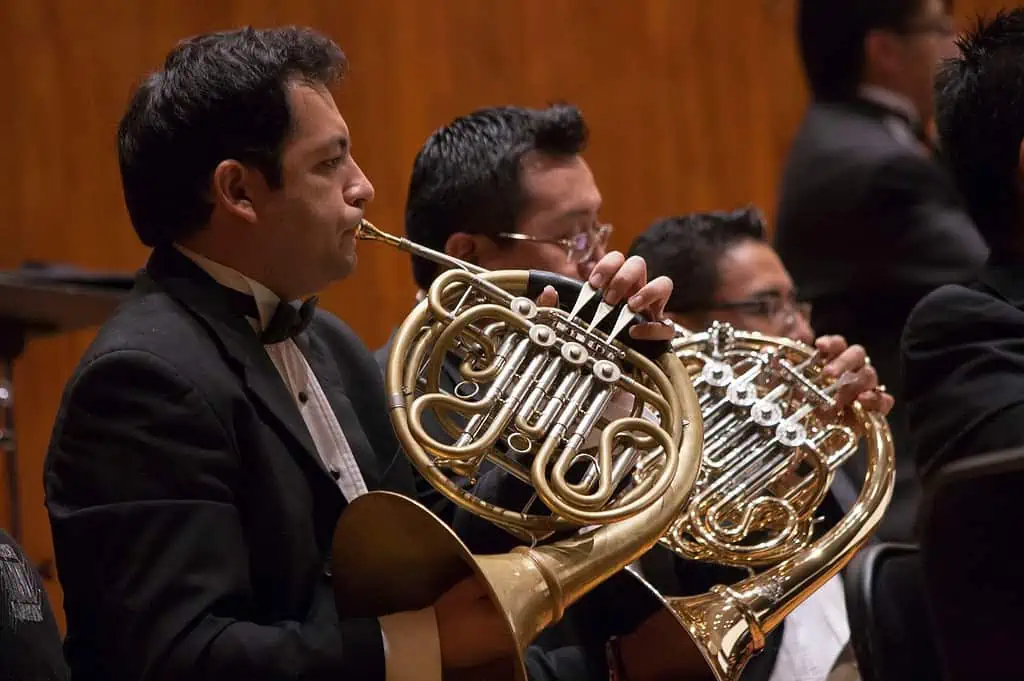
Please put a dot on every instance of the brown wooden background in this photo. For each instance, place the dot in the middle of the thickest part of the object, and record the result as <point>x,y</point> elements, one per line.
<point>691,102</point>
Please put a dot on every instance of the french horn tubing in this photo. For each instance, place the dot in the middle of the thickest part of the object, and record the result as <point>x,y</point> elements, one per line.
<point>533,402</point>
<point>773,440</point>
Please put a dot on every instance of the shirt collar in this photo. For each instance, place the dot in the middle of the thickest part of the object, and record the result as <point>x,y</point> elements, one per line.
<point>890,100</point>
<point>266,300</point>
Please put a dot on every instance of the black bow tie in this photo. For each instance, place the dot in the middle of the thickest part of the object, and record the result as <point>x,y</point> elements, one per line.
<point>288,320</point>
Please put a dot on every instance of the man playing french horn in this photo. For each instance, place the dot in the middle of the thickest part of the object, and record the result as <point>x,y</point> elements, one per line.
<point>724,270</point>
<point>507,188</point>
<point>215,431</point>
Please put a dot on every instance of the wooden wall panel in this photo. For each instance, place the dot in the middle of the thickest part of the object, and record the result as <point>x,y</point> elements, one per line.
<point>692,104</point>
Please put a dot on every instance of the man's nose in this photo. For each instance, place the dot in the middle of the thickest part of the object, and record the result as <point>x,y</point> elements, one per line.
<point>801,329</point>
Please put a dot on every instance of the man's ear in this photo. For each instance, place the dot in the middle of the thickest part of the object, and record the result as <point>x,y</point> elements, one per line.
<point>464,247</point>
<point>232,189</point>
<point>880,52</point>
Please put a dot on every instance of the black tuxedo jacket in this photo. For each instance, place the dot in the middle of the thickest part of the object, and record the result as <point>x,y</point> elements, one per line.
<point>868,223</point>
<point>963,358</point>
<point>192,518</point>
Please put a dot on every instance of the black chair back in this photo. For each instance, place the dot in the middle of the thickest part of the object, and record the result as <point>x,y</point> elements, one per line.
<point>889,626</point>
<point>971,527</point>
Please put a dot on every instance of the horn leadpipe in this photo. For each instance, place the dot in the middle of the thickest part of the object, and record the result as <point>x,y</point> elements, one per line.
<point>367,232</point>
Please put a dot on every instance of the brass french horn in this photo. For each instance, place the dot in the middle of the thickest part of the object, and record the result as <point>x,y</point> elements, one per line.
<point>773,440</point>
<point>537,386</point>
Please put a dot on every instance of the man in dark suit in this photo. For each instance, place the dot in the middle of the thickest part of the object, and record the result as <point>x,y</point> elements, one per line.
<point>963,353</point>
<point>209,438</point>
<point>963,362</point>
<point>214,431</point>
<point>867,221</point>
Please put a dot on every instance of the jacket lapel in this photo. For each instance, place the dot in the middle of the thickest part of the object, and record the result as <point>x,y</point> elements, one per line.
<point>197,291</point>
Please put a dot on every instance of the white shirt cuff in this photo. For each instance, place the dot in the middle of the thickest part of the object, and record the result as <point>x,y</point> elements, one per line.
<point>412,648</point>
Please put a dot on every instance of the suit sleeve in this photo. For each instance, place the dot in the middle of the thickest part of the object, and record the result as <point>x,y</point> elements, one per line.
<point>963,364</point>
<point>916,231</point>
<point>151,547</point>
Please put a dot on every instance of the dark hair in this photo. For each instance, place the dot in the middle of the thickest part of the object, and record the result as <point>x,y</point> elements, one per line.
<point>980,119</point>
<point>466,178</point>
<point>687,249</point>
<point>219,96</point>
<point>831,36</point>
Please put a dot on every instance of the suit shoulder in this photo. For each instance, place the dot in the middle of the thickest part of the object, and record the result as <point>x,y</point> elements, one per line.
<point>835,157</point>
<point>955,313</point>
<point>832,130</point>
<point>154,325</point>
<point>962,357</point>
<point>958,301</point>
<point>909,171</point>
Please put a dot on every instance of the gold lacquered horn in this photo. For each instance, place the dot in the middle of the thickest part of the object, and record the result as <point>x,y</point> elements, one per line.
<point>392,555</point>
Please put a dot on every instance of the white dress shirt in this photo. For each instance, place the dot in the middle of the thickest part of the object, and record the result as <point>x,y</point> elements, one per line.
<point>894,101</point>
<point>412,649</point>
<point>813,636</point>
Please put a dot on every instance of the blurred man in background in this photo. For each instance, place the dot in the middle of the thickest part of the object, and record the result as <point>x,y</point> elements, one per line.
<point>868,221</point>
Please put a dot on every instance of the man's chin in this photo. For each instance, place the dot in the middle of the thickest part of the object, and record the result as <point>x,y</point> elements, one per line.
<point>346,265</point>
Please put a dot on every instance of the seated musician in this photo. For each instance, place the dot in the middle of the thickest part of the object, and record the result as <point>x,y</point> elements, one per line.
<point>215,429</point>
<point>508,188</point>
<point>963,362</point>
<point>723,269</point>
<point>963,346</point>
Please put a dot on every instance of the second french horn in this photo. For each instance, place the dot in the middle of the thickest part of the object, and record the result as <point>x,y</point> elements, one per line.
<point>773,441</point>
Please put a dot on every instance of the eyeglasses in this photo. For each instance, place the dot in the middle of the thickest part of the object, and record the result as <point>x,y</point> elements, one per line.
<point>938,26</point>
<point>769,306</point>
<point>578,248</point>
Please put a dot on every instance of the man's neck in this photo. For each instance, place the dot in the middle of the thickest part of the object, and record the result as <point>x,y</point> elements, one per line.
<point>231,253</point>
<point>266,300</point>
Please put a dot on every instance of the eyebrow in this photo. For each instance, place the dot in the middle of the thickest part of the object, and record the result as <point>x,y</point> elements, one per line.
<point>576,213</point>
<point>339,142</point>
<point>774,293</point>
